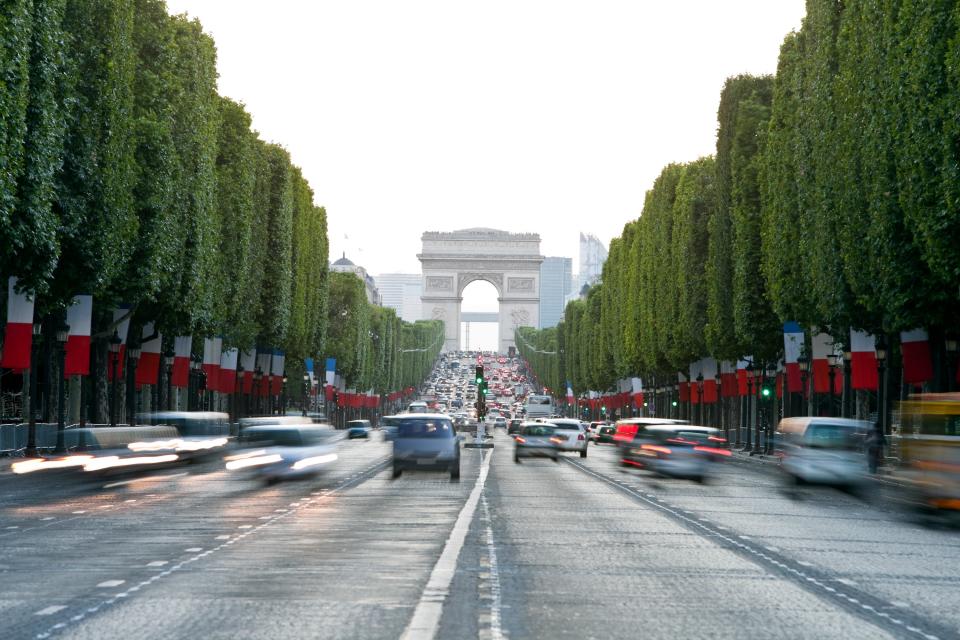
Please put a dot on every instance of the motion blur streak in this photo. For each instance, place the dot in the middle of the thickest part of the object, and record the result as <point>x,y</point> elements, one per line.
<point>111,462</point>
<point>233,465</point>
<point>309,462</point>
<point>178,445</point>
<point>28,466</point>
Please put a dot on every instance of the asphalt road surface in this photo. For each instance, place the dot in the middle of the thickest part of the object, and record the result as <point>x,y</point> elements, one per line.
<point>575,549</point>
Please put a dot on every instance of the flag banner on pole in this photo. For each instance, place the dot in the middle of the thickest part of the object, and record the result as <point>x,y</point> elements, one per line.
<point>182,348</point>
<point>79,317</point>
<point>864,361</point>
<point>228,370</point>
<point>263,365</point>
<point>331,368</point>
<point>708,368</point>
<point>308,367</point>
<point>278,365</point>
<point>122,330</point>
<point>917,363</point>
<point>742,386</point>
<point>728,379</point>
<point>18,339</point>
<point>792,348</point>
<point>683,387</point>
<point>822,348</point>
<point>212,351</point>
<point>148,369</point>
<point>569,392</point>
<point>696,370</point>
<point>248,360</point>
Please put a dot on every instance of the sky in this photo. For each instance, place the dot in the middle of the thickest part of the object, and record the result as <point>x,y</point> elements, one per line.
<point>546,116</point>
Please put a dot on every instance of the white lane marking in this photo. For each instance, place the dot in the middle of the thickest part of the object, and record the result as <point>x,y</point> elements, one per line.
<point>48,518</point>
<point>157,563</point>
<point>229,540</point>
<point>52,609</point>
<point>111,583</point>
<point>79,512</point>
<point>194,549</point>
<point>426,617</point>
<point>245,526</point>
<point>496,627</point>
<point>847,581</point>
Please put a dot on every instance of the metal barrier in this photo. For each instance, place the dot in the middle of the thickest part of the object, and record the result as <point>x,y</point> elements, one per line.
<point>13,437</point>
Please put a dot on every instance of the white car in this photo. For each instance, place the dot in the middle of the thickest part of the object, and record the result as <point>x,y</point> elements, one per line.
<point>277,452</point>
<point>572,433</point>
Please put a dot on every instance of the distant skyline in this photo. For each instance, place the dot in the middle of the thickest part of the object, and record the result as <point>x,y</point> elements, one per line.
<point>534,116</point>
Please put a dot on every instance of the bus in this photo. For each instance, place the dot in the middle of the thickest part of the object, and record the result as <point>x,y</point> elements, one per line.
<point>538,407</point>
<point>930,452</point>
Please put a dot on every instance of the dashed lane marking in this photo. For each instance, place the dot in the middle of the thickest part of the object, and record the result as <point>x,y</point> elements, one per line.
<point>110,583</point>
<point>52,609</point>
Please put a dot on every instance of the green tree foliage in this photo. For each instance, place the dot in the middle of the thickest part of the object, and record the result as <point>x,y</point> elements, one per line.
<point>275,292</point>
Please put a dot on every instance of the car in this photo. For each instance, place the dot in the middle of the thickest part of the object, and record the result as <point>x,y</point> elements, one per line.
<point>500,421</point>
<point>513,427</point>
<point>537,439</point>
<point>823,451</point>
<point>417,407</point>
<point>573,433</point>
<point>281,451</point>
<point>424,441</point>
<point>631,433</point>
<point>682,451</point>
<point>358,429</point>
<point>604,434</point>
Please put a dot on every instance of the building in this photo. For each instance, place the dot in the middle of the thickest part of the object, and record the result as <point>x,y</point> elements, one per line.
<point>556,283</point>
<point>401,292</point>
<point>343,265</point>
<point>592,256</point>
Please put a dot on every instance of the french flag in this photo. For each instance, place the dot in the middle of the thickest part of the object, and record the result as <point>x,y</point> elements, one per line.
<point>569,393</point>
<point>708,368</point>
<point>182,348</point>
<point>917,364</point>
<point>249,362</point>
<point>212,348</point>
<point>822,348</point>
<point>228,371</point>
<point>684,387</point>
<point>276,372</point>
<point>743,388</point>
<point>728,379</point>
<point>79,316</point>
<point>148,370</point>
<point>636,389</point>
<point>122,330</point>
<point>19,336</point>
<point>864,361</point>
<point>792,347</point>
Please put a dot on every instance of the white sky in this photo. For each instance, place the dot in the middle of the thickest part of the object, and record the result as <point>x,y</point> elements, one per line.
<point>545,116</point>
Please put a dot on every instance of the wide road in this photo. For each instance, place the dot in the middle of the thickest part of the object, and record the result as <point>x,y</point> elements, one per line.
<point>575,549</point>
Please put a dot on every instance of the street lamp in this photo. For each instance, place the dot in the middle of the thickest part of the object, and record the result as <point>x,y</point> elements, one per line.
<point>306,392</point>
<point>63,332</point>
<point>133,359</point>
<point>834,360</point>
<point>768,414</point>
<point>751,406</point>
<point>845,400</point>
<point>114,347</point>
<point>719,418</point>
<point>238,395</point>
<point>804,364</point>
<point>881,352</point>
<point>257,375</point>
<point>700,397</point>
<point>283,397</point>
<point>31,451</point>
<point>168,358</point>
<point>951,345</point>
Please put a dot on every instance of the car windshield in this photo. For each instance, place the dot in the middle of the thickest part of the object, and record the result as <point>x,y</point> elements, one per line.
<point>832,436</point>
<point>567,426</point>
<point>423,428</point>
<point>538,430</point>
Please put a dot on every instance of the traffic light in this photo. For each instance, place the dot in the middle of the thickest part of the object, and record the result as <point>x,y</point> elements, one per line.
<point>674,403</point>
<point>766,391</point>
<point>479,374</point>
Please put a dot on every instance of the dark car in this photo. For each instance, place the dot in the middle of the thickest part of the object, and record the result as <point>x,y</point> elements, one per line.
<point>604,434</point>
<point>358,429</point>
<point>631,435</point>
<point>424,441</point>
<point>513,427</point>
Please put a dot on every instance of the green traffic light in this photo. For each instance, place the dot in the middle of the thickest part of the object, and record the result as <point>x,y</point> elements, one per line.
<point>674,403</point>
<point>765,392</point>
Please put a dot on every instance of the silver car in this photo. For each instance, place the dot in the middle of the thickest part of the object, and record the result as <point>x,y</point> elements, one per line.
<point>424,441</point>
<point>277,452</point>
<point>536,439</point>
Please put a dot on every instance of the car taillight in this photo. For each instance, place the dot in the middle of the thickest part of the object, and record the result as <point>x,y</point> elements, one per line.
<point>713,450</point>
<point>580,437</point>
<point>657,449</point>
<point>521,440</point>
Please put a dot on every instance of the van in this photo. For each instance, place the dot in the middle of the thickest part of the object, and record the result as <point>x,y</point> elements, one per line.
<point>823,451</point>
<point>417,407</point>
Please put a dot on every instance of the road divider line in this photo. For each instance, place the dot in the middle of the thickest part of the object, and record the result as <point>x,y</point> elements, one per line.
<point>426,617</point>
<point>493,581</point>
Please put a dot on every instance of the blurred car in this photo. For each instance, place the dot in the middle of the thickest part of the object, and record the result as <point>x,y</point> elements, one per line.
<point>823,451</point>
<point>424,441</point>
<point>500,421</point>
<point>417,407</point>
<point>682,451</point>
<point>282,451</point>
<point>513,427</point>
<point>929,471</point>
<point>604,434</point>
<point>573,435</point>
<point>537,439</point>
<point>358,429</point>
<point>630,433</point>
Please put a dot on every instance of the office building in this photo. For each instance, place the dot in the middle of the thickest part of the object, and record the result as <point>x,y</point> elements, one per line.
<point>401,292</point>
<point>556,283</point>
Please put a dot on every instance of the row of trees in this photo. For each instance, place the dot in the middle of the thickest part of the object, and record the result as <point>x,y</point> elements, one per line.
<point>833,200</point>
<point>374,348</point>
<point>129,178</point>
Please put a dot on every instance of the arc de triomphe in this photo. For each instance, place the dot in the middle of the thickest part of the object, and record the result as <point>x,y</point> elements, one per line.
<point>509,261</point>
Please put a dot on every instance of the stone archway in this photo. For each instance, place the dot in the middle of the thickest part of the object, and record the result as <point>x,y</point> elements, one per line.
<point>509,261</point>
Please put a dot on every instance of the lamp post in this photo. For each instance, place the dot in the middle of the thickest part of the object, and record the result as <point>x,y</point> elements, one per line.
<point>257,375</point>
<point>168,358</point>
<point>845,400</point>
<point>193,402</point>
<point>804,364</point>
<point>114,347</point>
<point>63,332</point>
<point>951,344</point>
<point>751,405</point>
<point>282,409</point>
<point>238,393</point>
<point>719,421</point>
<point>31,451</point>
<point>881,352</point>
<point>306,392</point>
<point>133,359</point>
<point>834,360</point>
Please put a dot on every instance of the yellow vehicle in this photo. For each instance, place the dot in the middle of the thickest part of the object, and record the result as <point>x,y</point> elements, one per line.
<point>930,450</point>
